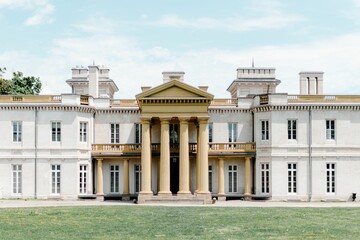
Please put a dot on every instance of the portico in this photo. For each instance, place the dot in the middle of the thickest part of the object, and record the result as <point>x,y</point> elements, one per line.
<point>174,113</point>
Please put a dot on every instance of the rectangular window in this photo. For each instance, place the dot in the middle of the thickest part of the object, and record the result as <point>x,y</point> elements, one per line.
<point>17,131</point>
<point>330,177</point>
<point>210,126</point>
<point>115,134</point>
<point>83,131</point>
<point>232,129</point>
<point>138,133</point>
<point>137,169</point>
<point>17,178</point>
<point>292,129</point>
<point>265,177</point>
<point>330,129</point>
<point>55,179</point>
<point>232,178</point>
<point>56,131</point>
<point>83,179</point>
<point>114,178</point>
<point>210,178</point>
<point>264,130</point>
<point>292,177</point>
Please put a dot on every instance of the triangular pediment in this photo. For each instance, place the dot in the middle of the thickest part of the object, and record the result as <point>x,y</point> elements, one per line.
<point>174,90</point>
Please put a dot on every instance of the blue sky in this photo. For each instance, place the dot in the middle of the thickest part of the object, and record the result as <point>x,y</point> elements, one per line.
<point>208,40</point>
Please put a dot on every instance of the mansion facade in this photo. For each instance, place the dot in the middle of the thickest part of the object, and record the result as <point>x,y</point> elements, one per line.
<point>176,142</point>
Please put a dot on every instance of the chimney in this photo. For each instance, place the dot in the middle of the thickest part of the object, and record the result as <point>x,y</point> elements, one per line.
<point>311,83</point>
<point>174,75</point>
<point>94,81</point>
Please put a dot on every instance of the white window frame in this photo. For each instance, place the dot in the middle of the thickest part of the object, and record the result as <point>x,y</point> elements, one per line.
<point>292,178</point>
<point>137,178</point>
<point>55,179</point>
<point>232,131</point>
<point>17,131</point>
<point>83,131</point>
<point>330,178</point>
<point>265,132</point>
<point>114,132</point>
<point>330,129</point>
<point>292,129</point>
<point>265,177</point>
<point>56,131</point>
<point>16,179</point>
<point>210,175</point>
<point>83,178</point>
<point>233,178</point>
<point>114,178</point>
<point>138,133</point>
<point>211,132</point>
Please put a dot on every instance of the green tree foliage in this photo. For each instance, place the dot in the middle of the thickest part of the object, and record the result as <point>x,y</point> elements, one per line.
<point>19,84</point>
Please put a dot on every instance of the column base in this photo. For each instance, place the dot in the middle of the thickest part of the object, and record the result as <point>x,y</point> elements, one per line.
<point>125,197</point>
<point>143,196</point>
<point>184,192</point>
<point>247,197</point>
<point>221,197</point>
<point>100,197</point>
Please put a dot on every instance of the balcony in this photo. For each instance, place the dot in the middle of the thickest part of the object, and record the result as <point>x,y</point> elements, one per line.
<point>135,149</point>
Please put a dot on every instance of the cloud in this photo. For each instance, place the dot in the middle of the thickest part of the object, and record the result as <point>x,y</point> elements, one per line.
<point>269,15</point>
<point>42,10</point>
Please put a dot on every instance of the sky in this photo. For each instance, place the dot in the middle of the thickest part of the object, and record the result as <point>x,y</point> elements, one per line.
<point>207,39</point>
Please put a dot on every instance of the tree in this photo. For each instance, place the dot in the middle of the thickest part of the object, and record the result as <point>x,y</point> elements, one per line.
<point>25,85</point>
<point>19,84</point>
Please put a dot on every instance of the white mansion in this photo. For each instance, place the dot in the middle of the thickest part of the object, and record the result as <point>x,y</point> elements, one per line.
<point>176,142</point>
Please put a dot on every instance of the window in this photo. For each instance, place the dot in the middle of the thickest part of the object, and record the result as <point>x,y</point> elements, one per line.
<point>83,131</point>
<point>264,130</point>
<point>83,179</point>
<point>17,178</point>
<point>291,177</point>
<point>330,129</point>
<point>138,133</point>
<point>137,178</point>
<point>330,177</point>
<point>210,126</point>
<point>115,136</point>
<point>210,178</point>
<point>114,178</point>
<point>232,178</point>
<point>232,128</point>
<point>265,177</point>
<point>292,129</point>
<point>17,131</point>
<point>55,179</point>
<point>56,131</point>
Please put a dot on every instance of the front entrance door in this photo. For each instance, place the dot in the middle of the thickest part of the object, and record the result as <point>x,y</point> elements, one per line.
<point>174,175</point>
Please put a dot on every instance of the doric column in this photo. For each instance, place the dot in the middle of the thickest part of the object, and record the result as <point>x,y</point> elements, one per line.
<point>126,177</point>
<point>99,178</point>
<point>184,156</point>
<point>247,177</point>
<point>204,147</point>
<point>221,183</point>
<point>146,157</point>
<point>165,157</point>
<point>197,160</point>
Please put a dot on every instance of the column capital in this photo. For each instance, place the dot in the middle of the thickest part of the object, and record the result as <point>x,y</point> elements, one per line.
<point>184,120</point>
<point>221,158</point>
<point>203,120</point>
<point>99,159</point>
<point>145,120</point>
<point>165,119</point>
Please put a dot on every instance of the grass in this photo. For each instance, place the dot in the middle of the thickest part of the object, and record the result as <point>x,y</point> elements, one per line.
<point>154,222</point>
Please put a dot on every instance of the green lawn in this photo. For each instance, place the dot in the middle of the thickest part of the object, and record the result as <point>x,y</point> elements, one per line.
<point>153,222</point>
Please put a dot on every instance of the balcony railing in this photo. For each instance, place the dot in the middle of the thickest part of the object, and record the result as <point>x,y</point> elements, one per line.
<point>30,99</point>
<point>174,148</point>
<point>323,98</point>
